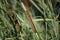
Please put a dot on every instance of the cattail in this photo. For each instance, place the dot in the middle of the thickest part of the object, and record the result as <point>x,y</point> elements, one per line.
<point>28,16</point>
<point>14,17</point>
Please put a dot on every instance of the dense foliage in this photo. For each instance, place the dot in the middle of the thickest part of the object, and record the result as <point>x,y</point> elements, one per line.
<point>37,19</point>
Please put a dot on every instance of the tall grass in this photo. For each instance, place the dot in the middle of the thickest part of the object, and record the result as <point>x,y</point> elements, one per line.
<point>32,28</point>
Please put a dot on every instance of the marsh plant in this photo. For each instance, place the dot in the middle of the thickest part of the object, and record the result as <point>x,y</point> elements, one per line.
<point>29,20</point>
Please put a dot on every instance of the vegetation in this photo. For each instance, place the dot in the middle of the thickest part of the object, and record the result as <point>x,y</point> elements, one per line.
<point>29,20</point>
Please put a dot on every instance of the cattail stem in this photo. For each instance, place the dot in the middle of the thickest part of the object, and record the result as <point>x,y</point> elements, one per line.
<point>13,16</point>
<point>30,21</point>
<point>28,16</point>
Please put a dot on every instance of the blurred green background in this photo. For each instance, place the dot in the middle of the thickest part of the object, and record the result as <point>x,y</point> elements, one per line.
<point>42,15</point>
